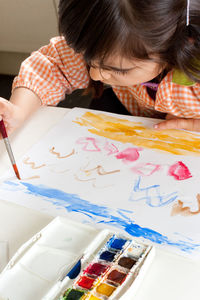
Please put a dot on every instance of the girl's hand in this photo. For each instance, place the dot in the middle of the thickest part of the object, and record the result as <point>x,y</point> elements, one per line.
<point>173,122</point>
<point>11,114</point>
<point>23,103</point>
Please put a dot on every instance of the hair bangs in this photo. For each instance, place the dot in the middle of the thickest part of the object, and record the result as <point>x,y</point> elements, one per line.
<point>99,31</point>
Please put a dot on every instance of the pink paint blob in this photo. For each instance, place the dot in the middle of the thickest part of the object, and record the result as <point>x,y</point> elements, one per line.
<point>179,171</point>
<point>129,155</point>
<point>146,169</point>
<point>90,144</point>
<point>110,148</point>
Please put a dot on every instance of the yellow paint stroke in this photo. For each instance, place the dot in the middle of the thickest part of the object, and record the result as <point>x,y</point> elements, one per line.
<point>100,171</point>
<point>59,155</point>
<point>30,178</point>
<point>178,209</point>
<point>101,187</point>
<point>173,141</point>
<point>94,182</point>
<point>79,179</point>
<point>32,164</point>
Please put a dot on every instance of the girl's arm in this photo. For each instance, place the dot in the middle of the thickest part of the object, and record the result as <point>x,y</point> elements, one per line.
<point>44,79</point>
<point>53,71</point>
<point>22,104</point>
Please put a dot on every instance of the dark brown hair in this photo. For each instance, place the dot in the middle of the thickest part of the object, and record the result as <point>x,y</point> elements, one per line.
<point>135,29</point>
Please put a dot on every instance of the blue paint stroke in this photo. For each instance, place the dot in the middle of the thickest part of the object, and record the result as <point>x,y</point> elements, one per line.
<point>11,183</point>
<point>152,194</point>
<point>102,214</point>
<point>11,186</point>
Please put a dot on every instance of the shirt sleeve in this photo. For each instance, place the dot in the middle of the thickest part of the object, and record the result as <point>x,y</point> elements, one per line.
<point>53,71</point>
<point>179,100</point>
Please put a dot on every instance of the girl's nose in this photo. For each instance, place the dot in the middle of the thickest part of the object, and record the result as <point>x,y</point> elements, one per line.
<point>98,74</point>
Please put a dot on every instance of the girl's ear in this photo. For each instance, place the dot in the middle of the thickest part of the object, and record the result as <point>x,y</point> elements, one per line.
<point>191,40</point>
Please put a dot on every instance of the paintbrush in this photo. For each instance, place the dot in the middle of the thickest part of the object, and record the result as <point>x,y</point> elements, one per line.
<point>8,147</point>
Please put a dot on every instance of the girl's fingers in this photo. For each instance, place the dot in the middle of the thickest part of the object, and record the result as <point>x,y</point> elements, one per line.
<point>5,107</point>
<point>187,124</point>
<point>11,115</point>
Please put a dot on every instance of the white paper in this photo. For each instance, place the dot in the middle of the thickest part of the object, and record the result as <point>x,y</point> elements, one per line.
<point>3,254</point>
<point>115,170</point>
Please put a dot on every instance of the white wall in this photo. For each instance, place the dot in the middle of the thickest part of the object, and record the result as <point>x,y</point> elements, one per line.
<point>25,25</point>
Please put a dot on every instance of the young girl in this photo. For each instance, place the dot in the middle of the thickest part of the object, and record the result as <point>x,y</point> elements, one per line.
<point>148,51</point>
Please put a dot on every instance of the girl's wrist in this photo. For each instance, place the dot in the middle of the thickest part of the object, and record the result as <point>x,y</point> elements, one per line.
<point>25,102</point>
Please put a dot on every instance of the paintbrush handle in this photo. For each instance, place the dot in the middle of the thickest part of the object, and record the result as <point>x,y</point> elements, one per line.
<point>9,150</point>
<point>8,147</point>
<point>3,128</point>
<point>6,140</point>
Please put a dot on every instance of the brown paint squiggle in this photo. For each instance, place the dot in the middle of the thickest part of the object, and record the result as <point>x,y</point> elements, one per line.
<point>32,164</point>
<point>178,209</point>
<point>59,155</point>
<point>100,171</point>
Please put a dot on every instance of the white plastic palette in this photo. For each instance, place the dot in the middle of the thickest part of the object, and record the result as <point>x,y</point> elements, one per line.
<point>39,269</point>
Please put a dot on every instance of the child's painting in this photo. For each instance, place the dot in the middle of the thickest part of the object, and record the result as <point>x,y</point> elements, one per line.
<point>115,170</point>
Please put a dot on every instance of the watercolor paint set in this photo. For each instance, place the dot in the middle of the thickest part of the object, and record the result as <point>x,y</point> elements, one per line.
<point>67,260</point>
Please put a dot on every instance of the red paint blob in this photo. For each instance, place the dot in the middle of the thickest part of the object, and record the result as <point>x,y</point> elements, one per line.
<point>86,282</point>
<point>96,269</point>
<point>179,171</point>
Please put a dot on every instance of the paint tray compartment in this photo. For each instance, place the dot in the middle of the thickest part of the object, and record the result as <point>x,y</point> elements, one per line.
<point>69,260</point>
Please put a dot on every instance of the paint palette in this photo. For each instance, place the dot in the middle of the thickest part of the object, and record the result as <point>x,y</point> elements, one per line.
<point>69,260</point>
<point>111,272</point>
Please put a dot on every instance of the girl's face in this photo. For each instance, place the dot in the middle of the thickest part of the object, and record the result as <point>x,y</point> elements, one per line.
<point>123,72</point>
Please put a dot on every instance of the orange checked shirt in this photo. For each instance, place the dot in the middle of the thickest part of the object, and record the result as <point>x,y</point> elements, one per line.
<point>56,70</point>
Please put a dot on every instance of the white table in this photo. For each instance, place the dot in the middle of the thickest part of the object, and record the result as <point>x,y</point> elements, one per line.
<point>170,277</point>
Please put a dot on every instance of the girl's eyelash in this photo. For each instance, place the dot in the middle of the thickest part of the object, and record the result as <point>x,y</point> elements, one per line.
<point>115,71</point>
<point>120,72</point>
